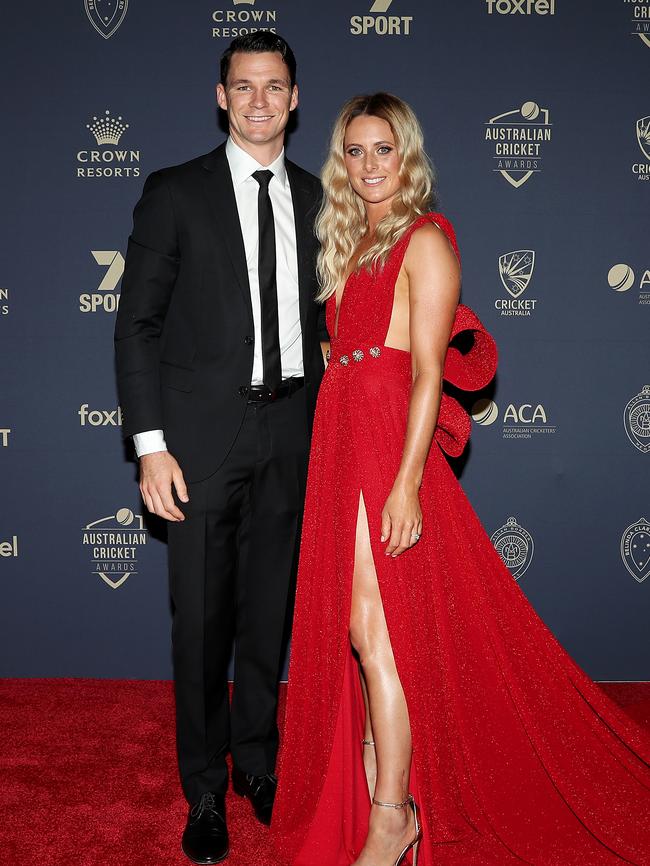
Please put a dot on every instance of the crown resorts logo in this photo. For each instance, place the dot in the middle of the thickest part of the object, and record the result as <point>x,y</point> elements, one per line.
<point>621,277</point>
<point>642,169</point>
<point>521,7</point>
<point>4,302</point>
<point>104,298</point>
<point>635,549</point>
<point>239,21</point>
<point>515,546</point>
<point>518,137</point>
<point>108,160</point>
<point>640,20</point>
<point>106,15</point>
<point>636,419</point>
<point>115,541</point>
<point>379,23</point>
<point>4,436</point>
<point>520,421</point>
<point>9,548</point>
<point>516,270</point>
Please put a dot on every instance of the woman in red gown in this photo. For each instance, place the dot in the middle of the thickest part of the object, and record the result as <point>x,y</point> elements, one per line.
<point>431,713</point>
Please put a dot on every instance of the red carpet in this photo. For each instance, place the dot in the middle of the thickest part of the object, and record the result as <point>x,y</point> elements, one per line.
<point>88,766</point>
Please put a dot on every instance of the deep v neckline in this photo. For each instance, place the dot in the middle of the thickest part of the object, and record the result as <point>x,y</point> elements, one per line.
<point>337,307</point>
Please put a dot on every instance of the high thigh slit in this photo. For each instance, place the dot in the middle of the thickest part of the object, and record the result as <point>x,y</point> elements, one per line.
<point>518,757</point>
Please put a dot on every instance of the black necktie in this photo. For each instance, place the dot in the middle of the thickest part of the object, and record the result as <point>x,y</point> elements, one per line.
<point>268,285</point>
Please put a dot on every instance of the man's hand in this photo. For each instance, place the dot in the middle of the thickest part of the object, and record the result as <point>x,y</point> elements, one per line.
<point>158,471</point>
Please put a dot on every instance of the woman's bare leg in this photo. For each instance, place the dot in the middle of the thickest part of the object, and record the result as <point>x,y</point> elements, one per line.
<point>389,829</point>
<point>369,757</point>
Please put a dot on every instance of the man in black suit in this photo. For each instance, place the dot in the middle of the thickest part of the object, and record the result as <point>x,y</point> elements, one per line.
<point>219,362</point>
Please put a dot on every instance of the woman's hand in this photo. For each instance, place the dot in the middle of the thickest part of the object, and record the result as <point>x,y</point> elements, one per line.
<point>401,519</point>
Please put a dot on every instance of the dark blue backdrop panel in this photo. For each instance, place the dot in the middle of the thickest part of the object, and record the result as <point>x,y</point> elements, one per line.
<point>555,263</point>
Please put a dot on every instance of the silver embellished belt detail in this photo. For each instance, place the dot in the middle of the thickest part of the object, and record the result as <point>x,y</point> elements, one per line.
<point>358,355</point>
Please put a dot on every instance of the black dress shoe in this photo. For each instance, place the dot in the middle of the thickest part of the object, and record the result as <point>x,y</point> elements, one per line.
<point>260,790</point>
<point>205,839</point>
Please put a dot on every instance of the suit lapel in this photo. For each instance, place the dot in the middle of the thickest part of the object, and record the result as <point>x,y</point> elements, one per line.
<point>221,197</point>
<point>302,205</point>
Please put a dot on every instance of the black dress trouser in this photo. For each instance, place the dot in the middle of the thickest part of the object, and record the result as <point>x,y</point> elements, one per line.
<point>232,566</point>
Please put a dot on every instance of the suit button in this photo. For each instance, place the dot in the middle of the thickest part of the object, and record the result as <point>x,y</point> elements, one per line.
<point>248,340</point>
<point>242,390</point>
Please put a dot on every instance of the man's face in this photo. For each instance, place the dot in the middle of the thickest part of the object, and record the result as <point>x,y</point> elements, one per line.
<point>258,98</point>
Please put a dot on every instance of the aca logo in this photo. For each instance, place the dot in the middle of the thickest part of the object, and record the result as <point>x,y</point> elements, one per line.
<point>640,20</point>
<point>520,421</point>
<point>636,419</point>
<point>104,298</point>
<point>379,23</point>
<point>4,302</point>
<point>635,549</point>
<point>108,161</point>
<point>115,542</point>
<point>621,277</point>
<point>522,7</point>
<point>516,270</point>
<point>4,436</point>
<point>515,546</point>
<point>99,417</point>
<point>9,548</point>
<point>642,169</point>
<point>239,21</point>
<point>519,137</point>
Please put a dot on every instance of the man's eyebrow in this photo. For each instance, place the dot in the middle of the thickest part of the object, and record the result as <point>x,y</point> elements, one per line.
<point>284,81</point>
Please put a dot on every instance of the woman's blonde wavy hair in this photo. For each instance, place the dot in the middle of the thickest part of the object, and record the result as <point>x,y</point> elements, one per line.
<point>341,221</point>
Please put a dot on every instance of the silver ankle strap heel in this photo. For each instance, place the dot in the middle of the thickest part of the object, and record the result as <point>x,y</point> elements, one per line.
<point>415,843</point>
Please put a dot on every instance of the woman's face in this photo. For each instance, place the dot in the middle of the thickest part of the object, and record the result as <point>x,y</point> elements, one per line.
<point>371,159</point>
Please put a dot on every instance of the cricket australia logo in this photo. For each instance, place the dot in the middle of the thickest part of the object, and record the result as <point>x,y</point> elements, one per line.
<point>115,542</point>
<point>514,544</point>
<point>643,135</point>
<point>519,136</point>
<point>106,15</point>
<point>515,270</point>
<point>635,549</point>
<point>636,418</point>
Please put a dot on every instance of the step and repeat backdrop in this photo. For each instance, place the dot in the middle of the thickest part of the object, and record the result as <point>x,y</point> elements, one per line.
<point>537,118</point>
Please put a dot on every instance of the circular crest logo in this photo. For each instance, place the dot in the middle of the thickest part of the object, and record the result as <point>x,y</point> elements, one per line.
<point>515,546</point>
<point>636,418</point>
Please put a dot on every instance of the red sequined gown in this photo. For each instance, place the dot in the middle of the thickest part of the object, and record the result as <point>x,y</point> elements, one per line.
<point>518,757</point>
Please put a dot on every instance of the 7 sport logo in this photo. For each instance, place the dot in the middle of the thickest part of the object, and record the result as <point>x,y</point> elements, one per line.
<point>379,23</point>
<point>104,298</point>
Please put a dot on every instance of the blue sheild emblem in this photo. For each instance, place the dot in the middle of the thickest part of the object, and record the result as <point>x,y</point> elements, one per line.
<point>106,15</point>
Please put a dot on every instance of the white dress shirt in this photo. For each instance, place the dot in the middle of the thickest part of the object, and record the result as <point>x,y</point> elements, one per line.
<point>242,165</point>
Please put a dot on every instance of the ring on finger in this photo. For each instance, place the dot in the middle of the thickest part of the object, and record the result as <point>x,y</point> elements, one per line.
<point>416,535</point>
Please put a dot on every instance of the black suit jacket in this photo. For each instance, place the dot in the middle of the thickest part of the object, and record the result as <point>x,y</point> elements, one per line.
<point>184,330</point>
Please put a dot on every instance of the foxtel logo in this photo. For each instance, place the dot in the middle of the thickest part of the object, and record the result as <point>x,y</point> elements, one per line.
<point>99,417</point>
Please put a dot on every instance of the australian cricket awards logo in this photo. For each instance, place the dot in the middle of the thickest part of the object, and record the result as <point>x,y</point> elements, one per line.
<point>108,160</point>
<point>242,18</point>
<point>516,270</point>
<point>379,23</point>
<point>635,549</point>
<point>621,278</point>
<point>106,15</point>
<point>105,298</point>
<point>115,543</point>
<point>636,418</point>
<point>515,546</point>
<point>642,169</point>
<point>640,19</point>
<point>519,137</point>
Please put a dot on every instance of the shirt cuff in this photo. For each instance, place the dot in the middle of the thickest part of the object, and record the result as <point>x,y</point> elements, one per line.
<point>148,442</point>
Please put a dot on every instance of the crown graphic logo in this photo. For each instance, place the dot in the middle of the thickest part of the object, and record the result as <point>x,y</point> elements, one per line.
<point>107,129</point>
